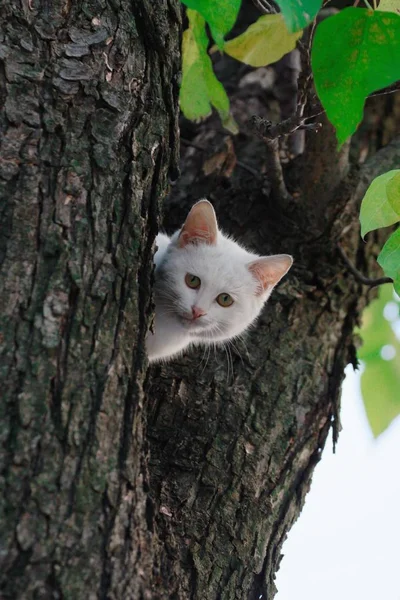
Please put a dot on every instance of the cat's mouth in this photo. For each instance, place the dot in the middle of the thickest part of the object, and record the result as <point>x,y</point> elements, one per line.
<point>193,324</point>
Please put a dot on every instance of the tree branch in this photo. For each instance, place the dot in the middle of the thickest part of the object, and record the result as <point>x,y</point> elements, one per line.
<point>272,161</point>
<point>268,131</point>
<point>359,276</point>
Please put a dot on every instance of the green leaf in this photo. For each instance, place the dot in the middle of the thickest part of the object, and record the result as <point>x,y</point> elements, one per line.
<point>298,13</point>
<point>354,53</point>
<point>390,5</point>
<point>376,210</point>
<point>263,43</point>
<point>393,192</point>
<point>380,381</point>
<point>379,388</point>
<point>219,14</point>
<point>200,89</point>
<point>376,331</point>
<point>389,259</point>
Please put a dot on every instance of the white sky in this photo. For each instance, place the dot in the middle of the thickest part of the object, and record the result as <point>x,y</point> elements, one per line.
<point>346,543</point>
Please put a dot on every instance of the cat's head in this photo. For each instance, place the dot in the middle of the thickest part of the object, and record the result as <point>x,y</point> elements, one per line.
<point>214,286</point>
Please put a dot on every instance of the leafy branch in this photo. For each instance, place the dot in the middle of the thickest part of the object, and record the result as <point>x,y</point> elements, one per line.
<point>346,56</point>
<point>360,59</point>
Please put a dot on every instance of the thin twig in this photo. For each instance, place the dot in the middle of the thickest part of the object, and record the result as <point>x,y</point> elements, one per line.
<point>265,7</point>
<point>268,131</point>
<point>306,75</point>
<point>239,163</point>
<point>391,89</point>
<point>246,167</point>
<point>304,80</point>
<point>359,276</point>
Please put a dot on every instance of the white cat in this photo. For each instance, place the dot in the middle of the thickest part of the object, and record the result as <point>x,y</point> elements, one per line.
<point>208,288</point>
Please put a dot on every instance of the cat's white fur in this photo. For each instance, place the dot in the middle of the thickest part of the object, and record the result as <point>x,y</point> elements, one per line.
<point>223,266</point>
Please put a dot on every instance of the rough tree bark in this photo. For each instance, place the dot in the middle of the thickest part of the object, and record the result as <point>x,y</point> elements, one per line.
<point>89,123</point>
<point>177,481</point>
<point>234,439</point>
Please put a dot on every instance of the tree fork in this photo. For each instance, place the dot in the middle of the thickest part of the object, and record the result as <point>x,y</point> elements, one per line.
<point>233,449</point>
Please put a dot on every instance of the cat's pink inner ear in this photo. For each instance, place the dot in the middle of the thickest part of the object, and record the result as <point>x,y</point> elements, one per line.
<point>268,270</point>
<point>200,226</point>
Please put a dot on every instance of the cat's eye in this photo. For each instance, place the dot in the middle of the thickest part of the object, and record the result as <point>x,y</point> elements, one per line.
<point>192,281</point>
<point>224,300</point>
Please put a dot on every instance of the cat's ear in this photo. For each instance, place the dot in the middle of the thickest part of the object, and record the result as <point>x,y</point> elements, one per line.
<point>200,226</point>
<point>268,270</point>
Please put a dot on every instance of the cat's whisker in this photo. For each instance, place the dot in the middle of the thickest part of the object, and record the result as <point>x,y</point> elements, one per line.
<point>208,355</point>
<point>242,338</point>
<point>229,358</point>
<point>236,349</point>
<point>226,347</point>
<point>204,358</point>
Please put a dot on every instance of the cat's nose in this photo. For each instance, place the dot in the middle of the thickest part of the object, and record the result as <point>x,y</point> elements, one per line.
<point>197,312</point>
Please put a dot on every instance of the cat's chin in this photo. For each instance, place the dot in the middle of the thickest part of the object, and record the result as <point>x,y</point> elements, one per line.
<point>193,326</point>
<point>189,324</point>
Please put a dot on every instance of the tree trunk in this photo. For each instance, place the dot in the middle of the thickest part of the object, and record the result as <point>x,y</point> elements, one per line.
<point>118,481</point>
<point>89,124</point>
<point>235,435</point>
